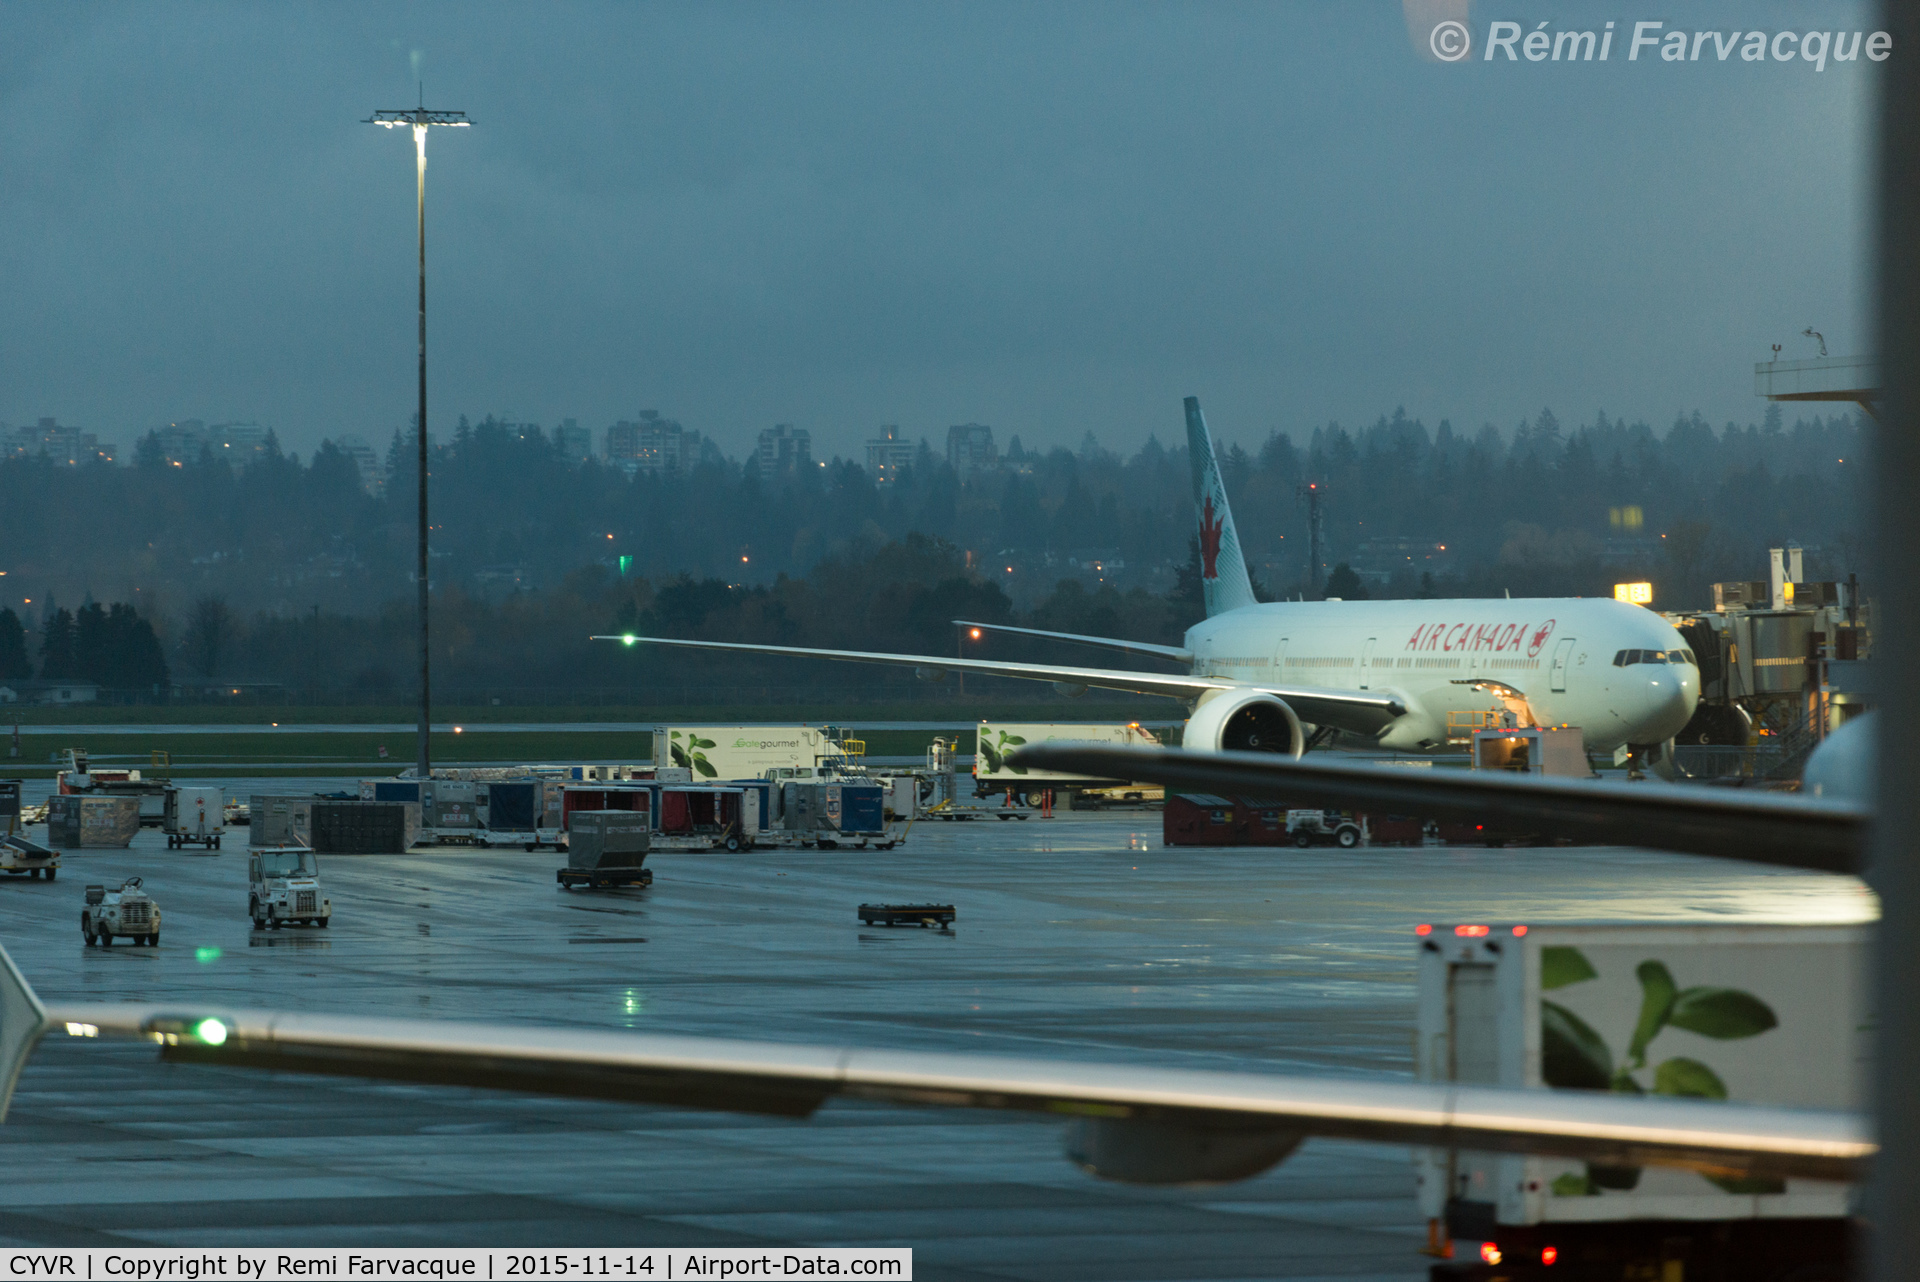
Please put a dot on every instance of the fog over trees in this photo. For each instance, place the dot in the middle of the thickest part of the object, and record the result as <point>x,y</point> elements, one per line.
<point>292,572</point>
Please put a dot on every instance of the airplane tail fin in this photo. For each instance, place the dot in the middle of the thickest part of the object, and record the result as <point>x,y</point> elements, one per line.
<point>22,1022</point>
<point>1223,568</point>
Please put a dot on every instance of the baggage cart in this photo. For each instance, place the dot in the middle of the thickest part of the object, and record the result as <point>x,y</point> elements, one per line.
<point>607,848</point>
<point>940,915</point>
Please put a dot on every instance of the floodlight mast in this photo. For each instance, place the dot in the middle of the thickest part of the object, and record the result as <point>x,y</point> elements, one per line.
<point>419,119</point>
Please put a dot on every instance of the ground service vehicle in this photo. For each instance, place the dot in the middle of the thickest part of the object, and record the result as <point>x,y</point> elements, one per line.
<point>1323,828</point>
<point>128,911</point>
<point>1752,1014</point>
<point>194,817</point>
<point>283,889</point>
<point>605,849</point>
<point>20,856</point>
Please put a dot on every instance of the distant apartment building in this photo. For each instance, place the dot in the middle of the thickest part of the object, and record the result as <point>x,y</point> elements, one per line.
<point>62,443</point>
<point>888,453</point>
<point>573,442</point>
<point>784,449</point>
<point>970,449</point>
<point>181,442</point>
<point>373,472</point>
<point>653,446</point>
<point>241,444</point>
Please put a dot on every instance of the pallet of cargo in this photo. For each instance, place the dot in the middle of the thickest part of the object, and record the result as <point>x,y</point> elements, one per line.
<point>906,914</point>
<point>603,878</point>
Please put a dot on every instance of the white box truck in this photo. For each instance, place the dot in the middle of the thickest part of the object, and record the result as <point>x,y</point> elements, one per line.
<point>992,773</point>
<point>740,752</point>
<point>1761,1014</point>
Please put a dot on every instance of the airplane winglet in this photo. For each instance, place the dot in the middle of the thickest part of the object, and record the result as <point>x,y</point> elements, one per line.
<point>23,1022</point>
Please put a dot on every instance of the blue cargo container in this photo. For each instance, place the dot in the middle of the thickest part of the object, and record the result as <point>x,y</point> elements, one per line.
<point>863,809</point>
<point>513,806</point>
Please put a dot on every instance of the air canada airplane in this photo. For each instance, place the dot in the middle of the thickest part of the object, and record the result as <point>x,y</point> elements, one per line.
<point>1269,677</point>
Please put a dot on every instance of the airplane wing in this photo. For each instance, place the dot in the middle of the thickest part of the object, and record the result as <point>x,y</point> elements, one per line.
<point>1359,711</point>
<point>1172,652</point>
<point>1148,1125</point>
<point>1790,831</point>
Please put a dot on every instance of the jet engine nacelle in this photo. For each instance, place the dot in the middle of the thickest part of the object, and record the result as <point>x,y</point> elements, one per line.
<point>1148,1151</point>
<point>1244,721</point>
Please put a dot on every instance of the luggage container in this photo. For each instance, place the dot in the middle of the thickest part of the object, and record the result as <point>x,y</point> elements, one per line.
<point>829,813</point>
<point>1202,819</point>
<point>194,817</point>
<point>360,827</point>
<point>1772,1014</point>
<point>607,848</point>
<point>696,816</point>
<point>76,821</point>
<point>626,796</point>
<point>513,806</point>
<point>280,821</point>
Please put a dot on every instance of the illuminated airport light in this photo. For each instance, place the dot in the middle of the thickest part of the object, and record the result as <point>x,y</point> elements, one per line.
<point>1490,1252</point>
<point>628,639</point>
<point>1549,1254</point>
<point>211,1031</point>
<point>1633,593</point>
<point>1423,929</point>
<point>206,954</point>
<point>975,634</point>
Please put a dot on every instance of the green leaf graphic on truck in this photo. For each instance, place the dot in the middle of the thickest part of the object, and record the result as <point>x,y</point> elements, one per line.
<point>691,755</point>
<point>994,751</point>
<point>1575,1057</point>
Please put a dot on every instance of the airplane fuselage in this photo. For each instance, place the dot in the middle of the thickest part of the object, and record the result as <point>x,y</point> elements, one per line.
<point>1559,653</point>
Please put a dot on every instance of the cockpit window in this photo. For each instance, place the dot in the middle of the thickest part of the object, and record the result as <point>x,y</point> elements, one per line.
<point>1627,658</point>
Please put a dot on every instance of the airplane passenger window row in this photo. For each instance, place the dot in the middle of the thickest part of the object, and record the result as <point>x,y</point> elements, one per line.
<point>1626,658</point>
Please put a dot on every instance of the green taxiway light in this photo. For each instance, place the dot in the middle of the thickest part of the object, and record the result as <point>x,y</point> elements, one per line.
<point>211,1031</point>
<point>629,638</point>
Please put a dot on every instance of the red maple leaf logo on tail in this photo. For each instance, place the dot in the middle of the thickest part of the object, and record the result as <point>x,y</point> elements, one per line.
<point>1210,529</point>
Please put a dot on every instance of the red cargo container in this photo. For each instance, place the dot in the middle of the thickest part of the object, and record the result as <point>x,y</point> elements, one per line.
<point>1197,819</point>
<point>1200,819</point>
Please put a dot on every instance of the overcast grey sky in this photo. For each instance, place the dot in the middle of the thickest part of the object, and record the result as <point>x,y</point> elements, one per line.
<point>1049,218</point>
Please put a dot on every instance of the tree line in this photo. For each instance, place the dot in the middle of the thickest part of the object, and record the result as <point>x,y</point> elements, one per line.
<point>292,572</point>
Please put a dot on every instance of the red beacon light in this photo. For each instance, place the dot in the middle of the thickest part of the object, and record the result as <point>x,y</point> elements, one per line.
<point>1549,1254</point>
<point>1519,931</point>
<point>1490,1252</point>
<point>1423,929</point>
<point>1472,932</point>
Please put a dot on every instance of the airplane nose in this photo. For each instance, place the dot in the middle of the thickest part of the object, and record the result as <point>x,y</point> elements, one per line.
<point>1671,694</point>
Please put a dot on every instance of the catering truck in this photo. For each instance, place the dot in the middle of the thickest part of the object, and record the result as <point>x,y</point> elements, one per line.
<point>1760,1014</point>
<point>713,753</point>
<point>993,773</point>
